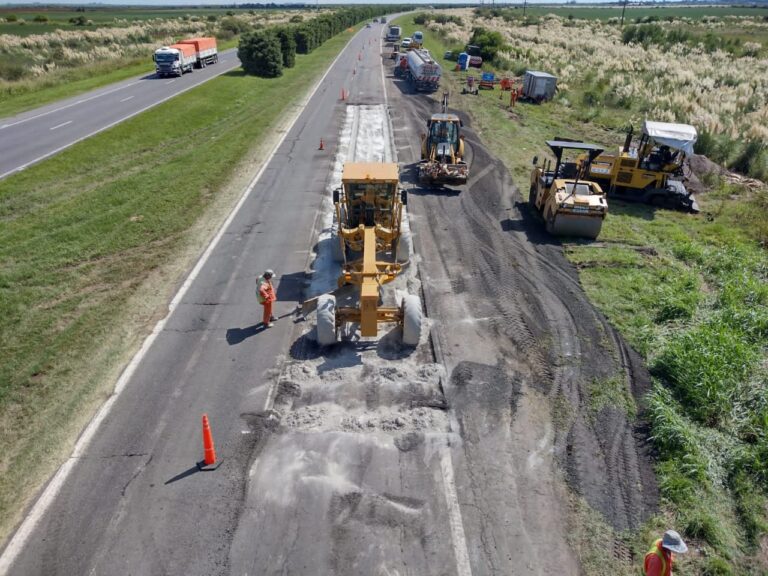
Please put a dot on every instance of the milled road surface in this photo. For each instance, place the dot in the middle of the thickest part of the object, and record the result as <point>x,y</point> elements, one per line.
<point>38,134</point>
<point>365,457</point>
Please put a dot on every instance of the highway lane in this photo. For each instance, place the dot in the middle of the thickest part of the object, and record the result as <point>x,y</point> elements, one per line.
<point>38,134</point>
<point>132,501</point>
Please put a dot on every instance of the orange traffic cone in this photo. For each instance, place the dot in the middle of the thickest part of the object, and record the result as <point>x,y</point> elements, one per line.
<point>209,452</point>
<point>322,145</point>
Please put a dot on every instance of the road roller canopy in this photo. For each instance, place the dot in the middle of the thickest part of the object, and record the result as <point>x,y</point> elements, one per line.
<point>370,172</point>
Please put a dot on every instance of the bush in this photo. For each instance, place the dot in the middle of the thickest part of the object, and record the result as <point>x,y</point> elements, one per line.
<point>296,19</point>
<point>490,43</point>
<point>420,19</point>
<point>11,18</point>
<point>260,54</point>
<point>287,45</point>
<point>233,26</point>
<point>41,18</point>
<point>751,160</point>
<point>79,21</point>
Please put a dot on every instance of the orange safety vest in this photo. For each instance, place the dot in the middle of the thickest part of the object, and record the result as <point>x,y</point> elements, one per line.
<point>259,293</point>
<point>656,550</point>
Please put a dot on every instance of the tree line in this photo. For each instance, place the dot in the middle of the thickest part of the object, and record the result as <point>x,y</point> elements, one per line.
<point>266,52</point>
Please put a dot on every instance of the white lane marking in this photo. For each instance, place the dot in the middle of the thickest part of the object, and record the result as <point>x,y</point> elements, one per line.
<point>454,513</point>
<point>126,99</point>
<point>69,105</point>
<point>171,81</point>
<point>68,122</point>
<point>115,123</point>
<point>42,504</point>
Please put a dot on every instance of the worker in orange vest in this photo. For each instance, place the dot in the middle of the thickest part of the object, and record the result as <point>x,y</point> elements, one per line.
<point>661,556</point>
<point>513,95</point>
<point>266,295</point>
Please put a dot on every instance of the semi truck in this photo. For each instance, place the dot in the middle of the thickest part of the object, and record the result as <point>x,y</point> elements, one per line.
<point>423,72</point>
<point>184,56</point>
<point>207,52</point>
<point>393,34</point>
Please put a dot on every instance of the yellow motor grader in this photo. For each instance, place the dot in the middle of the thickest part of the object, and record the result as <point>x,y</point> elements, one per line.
<point>442,149</point>
<point>369,211</point>
<point>569,203</point>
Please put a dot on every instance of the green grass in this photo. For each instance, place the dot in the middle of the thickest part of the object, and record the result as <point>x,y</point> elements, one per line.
<point>68,82</point>
<point>690,293</point>
<point>84,233</point>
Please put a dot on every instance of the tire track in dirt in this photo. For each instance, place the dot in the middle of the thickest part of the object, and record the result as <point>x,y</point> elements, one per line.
<point>517,292</point>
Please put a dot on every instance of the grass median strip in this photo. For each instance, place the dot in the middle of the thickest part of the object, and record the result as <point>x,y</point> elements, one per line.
<point>689,293</point>
<point>110,221</point>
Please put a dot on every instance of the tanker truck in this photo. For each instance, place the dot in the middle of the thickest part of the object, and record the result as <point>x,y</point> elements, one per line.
<point>175,59</point>
<point>423,72</point>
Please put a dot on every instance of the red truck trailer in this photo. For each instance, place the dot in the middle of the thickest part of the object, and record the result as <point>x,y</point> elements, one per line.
<point>207,52</point>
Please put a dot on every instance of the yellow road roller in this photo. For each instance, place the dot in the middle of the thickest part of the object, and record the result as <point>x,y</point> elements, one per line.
<point>569,203</point>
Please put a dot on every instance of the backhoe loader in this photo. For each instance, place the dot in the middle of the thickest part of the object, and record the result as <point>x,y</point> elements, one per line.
<point>442,149</point>
<point>569,203</point>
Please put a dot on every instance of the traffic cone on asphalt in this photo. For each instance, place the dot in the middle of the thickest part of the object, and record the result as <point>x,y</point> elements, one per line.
<point>209,452</point>
<point>322,145</point>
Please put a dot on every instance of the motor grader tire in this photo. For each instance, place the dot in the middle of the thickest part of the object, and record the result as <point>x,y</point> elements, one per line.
<point>412,320</point>
<point>404,246</point>
<point>326,320</point>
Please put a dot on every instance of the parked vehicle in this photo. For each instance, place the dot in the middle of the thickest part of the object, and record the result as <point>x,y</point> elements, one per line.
<point>539,86</point>
<point>423,72</point>
<point>393,34</point>
<point>174,60</point>
<point>418,40</point>
<point>406,44</point>
<point>207,51</point>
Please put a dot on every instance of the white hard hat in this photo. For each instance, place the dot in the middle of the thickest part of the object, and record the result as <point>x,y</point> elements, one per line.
<point>269,273</point>
<point>672,541</point>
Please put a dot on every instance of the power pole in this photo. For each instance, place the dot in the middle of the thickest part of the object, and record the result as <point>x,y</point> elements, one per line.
<point>525,5</point>
<point>623,8</point>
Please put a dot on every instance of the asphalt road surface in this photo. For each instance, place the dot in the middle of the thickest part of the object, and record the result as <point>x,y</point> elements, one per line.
<point>35,135</point>
<point>133,503</point>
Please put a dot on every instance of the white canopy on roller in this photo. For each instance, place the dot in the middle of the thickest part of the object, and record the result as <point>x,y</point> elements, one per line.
<point>676,136</point>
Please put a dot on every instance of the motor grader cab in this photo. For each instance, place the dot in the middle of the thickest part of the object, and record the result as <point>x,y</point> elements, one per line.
<point>442,149</point>
<point>652,171</point>
<point>569,203</point>
<point>369,211</point>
